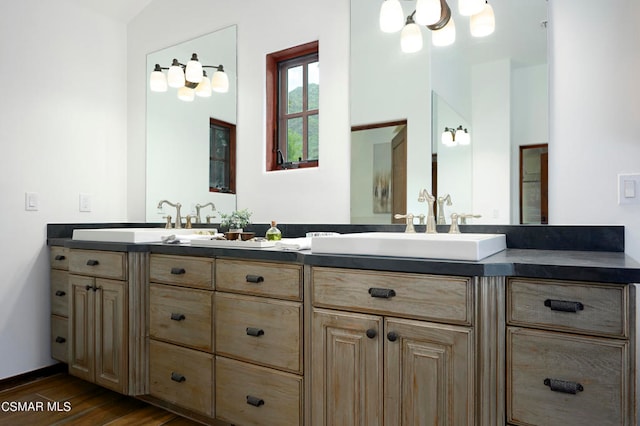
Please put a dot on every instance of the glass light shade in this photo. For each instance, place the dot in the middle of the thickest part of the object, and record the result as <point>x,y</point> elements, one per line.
<point>203,89</point>
<point>470,7</point>
<point>391,16</point>
<point>445,36</point>
<point>447,138</point>
<point>483,23</point>
<point>411,38</point>
<point>158,81</point>
<point>175,76</point>
<point>428,12</point>
<point>186,94</point>
<point>193,72</point>
<point>462,137</point>
<point>220,82</point>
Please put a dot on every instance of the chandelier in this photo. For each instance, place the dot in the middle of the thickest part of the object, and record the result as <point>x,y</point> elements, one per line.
<point>436,16</point>
<point>191,79</point>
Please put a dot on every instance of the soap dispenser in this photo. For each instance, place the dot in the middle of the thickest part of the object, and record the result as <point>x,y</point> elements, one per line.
<point>273,233</point>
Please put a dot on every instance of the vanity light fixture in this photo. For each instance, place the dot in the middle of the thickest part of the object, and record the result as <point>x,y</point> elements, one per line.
<point>454,136</point>
<point>436,16</point>
<point>190,79</point>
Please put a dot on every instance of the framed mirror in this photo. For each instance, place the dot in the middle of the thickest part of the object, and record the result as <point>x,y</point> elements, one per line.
<point>186,141</point>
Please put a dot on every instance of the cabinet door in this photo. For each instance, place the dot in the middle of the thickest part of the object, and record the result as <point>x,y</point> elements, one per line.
<point>110,331</point>
<point>347,369</point>
<point>81,329</point>
<point>428,374</point>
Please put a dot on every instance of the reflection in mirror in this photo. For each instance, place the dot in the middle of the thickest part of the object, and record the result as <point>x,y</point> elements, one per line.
<point>497,87</point>
<point>183,159</point>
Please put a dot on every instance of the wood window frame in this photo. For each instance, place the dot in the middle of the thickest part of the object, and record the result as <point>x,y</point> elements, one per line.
<point>272,88</point>
<point>231,160</point>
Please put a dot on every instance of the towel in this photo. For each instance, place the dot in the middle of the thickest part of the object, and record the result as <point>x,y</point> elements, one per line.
<point>294,244</point>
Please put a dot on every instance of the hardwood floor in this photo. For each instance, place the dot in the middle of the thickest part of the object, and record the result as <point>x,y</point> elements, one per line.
<point>65,400</point>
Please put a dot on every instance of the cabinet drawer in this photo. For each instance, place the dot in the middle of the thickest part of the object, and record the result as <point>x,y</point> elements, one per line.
<point>543,366</point>
<point>181,376</point>
<point>247,394</point>
<point>438,298</point>
<point>277,280</point>
<point>59,292</point>
<point>105,264</point>
<point>181,315</point>
<point>266,331</point>
<point>568,306</point>
<point>182,270</point>
<point>59,257</point>
<point>59,338</point>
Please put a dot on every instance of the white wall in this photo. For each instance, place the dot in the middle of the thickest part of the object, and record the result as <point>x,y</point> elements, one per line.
<point>595,112</point>
<point>306,195</point>
<point>62,132</point>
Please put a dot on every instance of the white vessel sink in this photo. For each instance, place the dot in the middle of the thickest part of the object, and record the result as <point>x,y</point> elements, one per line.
<point>420,245</point>
<point>127,235</point>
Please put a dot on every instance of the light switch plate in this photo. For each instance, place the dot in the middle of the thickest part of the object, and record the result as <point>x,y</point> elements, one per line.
<point>85,202</point>
<point>31,201</point>
<point>629,188</point>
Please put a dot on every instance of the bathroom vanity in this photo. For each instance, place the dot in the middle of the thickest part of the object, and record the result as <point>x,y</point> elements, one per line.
<point>528,336</point>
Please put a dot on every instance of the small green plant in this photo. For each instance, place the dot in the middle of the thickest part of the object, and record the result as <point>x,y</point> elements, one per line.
<point>236,220</point>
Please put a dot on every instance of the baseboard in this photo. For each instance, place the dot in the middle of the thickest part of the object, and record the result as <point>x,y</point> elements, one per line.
<point>20,379</point>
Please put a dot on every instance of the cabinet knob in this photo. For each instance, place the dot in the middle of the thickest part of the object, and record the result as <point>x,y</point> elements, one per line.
<point>392,336</point>
<point>371,333</point>
<point>563,305</point>
<point>92,262</point>
<point>178,271</point>
<point>60,293</point>
<point>383,293</point>
<point>256,332</point>
<point>178,317</point>
<point>563,386</point>
<point>255,401</point>
<point>177,377</point>
<point>256,279</point>
<point>60,339</point>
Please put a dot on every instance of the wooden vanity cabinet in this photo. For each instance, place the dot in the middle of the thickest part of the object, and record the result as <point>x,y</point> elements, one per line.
<point>98,318</point>
<point>181,360</point>
<point>259,343</point>
<point>570,353</point>
<point>379,356</point>
<point>59,290</point>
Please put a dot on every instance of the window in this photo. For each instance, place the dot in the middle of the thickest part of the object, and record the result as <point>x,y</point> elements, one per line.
<point>293,108</point>
<point>222,156</point>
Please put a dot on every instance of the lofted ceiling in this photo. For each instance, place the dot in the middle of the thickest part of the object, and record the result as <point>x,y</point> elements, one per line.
<point>120,10</point>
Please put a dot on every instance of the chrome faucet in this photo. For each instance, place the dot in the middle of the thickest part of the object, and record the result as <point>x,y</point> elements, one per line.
<point>178,222</point>
<point>424,196</point>
<point>441,200</point>
<point>200,206</point>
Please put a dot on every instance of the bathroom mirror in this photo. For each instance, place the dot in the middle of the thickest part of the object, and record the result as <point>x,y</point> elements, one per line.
<point>178,132</point>
<point>496,87</point>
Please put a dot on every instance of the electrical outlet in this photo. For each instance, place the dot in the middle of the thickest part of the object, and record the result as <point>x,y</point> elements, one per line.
<point>85,202</point>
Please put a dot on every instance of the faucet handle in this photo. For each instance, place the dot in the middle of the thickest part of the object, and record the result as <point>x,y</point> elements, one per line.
<point>454,229</point>
<point>188,218</point>
<point>464,216</point>
<point>409,221</point>
<point>168,219</point>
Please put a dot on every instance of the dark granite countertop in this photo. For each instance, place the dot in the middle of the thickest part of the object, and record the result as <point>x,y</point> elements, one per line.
<point>580,265</point>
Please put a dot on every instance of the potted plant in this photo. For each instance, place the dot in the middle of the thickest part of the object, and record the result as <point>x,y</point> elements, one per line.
<point>236,221</point>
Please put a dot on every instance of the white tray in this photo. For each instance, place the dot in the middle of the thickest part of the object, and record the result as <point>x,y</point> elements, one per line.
<point>237,244</point>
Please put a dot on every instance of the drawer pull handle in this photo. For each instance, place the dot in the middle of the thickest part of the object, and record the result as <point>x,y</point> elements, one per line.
<point>371,333</point>
<point>563,386</point>
<point>256,332</point>
<point>384,293</point>
<point>392,336</point>
<point>178,317</point>
<point>178,271</point>
<point>92,262</point>
<point>255,401</point>
<point>60,257</point>
<point>563,305</point>
<point>255,279</point>
<point>177,377</point>
<point>60,293</point>
<point>60,339</point>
